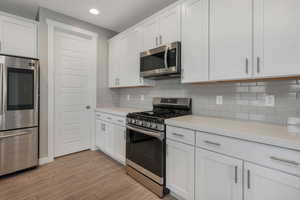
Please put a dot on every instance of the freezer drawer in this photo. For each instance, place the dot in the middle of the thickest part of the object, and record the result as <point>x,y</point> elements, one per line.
<point>18,150</point>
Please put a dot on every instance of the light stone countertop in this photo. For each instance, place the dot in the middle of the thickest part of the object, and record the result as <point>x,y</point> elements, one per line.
<point>251,131</point>
<point>120,111</point>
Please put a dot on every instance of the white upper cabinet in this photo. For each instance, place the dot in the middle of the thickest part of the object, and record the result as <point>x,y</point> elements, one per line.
<point>276,38</point>
<point>230,39</point>
<point>195,48</point>
<point>169,26</point>
<point>218,177</point>
<point>150,34</point>
<point>263,183</point>
<point>18,36</point>
<point>162,29</point>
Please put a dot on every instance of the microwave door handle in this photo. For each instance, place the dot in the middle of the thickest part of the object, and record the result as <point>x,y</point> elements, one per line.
<point>166,57</point>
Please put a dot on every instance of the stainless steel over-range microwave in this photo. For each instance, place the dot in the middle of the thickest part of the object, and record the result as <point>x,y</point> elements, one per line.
<point>164,61</point>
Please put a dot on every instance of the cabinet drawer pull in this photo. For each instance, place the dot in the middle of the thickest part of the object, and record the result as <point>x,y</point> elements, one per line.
<point>247,66</point>
<point>108,118</point>
<point>285,161</point>
<point>236,174</point>
<point>178,135</point>
<point>248,179</point>
<point>258,64</point>
<point>212,143</point>
<point>120,121</point>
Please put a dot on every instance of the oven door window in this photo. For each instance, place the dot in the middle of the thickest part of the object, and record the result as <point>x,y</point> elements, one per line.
<point>20,89</point>
<point>153,62</point>
<point>146,151</point>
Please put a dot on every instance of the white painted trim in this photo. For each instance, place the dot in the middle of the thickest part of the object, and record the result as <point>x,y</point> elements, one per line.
<point>70,28</point>
<point>45,160</point>
<point>18,17</point>
<point>94,37</point>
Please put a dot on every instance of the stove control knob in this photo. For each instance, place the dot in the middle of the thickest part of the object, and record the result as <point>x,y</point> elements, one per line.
<point>153,125</point>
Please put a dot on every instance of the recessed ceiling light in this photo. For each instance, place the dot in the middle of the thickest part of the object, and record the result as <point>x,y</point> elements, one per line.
<point>94,11</point>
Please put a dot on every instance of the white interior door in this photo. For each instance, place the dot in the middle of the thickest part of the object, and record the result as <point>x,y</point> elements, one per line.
<point>73,89</point>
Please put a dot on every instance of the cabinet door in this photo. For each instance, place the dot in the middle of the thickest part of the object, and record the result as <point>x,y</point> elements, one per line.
<point>230,39</point>
<point>263,183</point>
<point>132,72</point>
<point>100,135</point>
<point>150,34</point>
<point>169,26</point>
<point>276,38</point>
<point>18,37</point>
<point>114,60</point>
<point>109,139</point>
<point>119,143</point>
<point>195,41</point>
<point>218,177</point>
<point>180,169</point>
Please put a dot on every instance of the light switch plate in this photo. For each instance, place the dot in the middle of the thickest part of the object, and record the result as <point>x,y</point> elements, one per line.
<point>219,100</point>
<point>270,100</point>
<point>142,97</point>
<point>128,97</point>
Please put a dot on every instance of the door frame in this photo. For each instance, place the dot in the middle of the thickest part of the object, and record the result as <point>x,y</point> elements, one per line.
<point>52,26</point>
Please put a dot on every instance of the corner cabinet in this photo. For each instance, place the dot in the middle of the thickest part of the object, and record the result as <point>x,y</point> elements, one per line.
<point>18,36</point>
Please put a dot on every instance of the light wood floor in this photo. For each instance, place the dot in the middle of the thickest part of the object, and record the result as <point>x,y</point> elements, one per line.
<point>88,175</point>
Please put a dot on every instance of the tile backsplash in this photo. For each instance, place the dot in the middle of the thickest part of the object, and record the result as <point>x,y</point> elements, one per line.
<point>243,101</point>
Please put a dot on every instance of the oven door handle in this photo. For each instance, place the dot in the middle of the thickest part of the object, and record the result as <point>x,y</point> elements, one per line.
<point>155,134</point>
<point>166,57</point>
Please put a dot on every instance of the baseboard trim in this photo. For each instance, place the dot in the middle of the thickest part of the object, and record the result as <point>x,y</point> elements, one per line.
<point>45,160</point>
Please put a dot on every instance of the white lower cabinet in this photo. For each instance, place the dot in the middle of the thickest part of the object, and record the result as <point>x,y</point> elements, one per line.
<point>218,177</point>
<point>111,138</point>
<point>262,184</point>
<point>229,169</point>
<point>180,164</point>
<point>119,143</point>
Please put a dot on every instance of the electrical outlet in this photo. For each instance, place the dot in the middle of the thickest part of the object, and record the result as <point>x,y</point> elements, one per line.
<point>219,100</point>
<point>142,97</point>
<point>128,97</point>
<point>270,100</point>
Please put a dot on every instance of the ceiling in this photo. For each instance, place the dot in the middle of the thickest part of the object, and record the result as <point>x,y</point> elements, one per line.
<point>116,15</point>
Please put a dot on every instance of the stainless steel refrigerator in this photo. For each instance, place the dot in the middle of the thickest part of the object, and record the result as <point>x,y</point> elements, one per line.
<point>19,113</point>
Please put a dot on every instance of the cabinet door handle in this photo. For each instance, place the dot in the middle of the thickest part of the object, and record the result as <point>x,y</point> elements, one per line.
<point>212,143</point>
<point>258,64</point>
<point>160,39</point>
<point>248,179</point>
<point>125,135</point>
<point>156,41</point>
<point>247,66</point>
<point>236,174</point>
<point>178,135</point>
<point>291,162</point>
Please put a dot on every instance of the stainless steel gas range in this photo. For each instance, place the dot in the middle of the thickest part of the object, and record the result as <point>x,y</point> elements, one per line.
<point>146,142</point>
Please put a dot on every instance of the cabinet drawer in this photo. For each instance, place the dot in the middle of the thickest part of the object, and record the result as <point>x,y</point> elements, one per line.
<point>269,156</point>
<point>119,120</point>
<point>181,135</point>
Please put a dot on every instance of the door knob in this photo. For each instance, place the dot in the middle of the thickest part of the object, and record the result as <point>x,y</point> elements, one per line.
<point>88,107</point>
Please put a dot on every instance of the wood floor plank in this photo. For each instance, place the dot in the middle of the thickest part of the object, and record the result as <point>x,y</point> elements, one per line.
<point>88,175</point>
